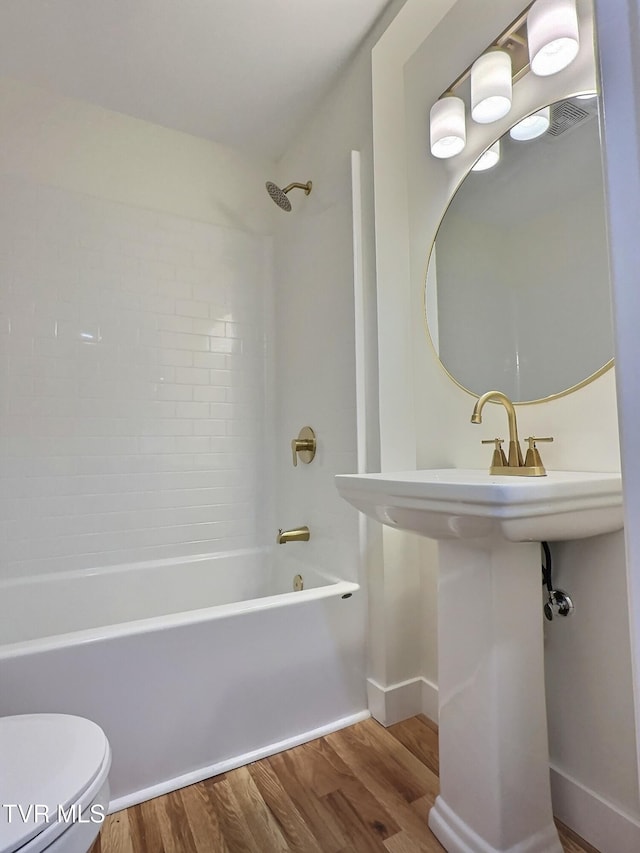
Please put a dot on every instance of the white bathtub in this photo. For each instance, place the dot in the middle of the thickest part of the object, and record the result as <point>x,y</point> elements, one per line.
<point>191,667</point>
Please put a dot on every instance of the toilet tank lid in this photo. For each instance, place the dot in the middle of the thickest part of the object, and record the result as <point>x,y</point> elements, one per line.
<point>49,761</point>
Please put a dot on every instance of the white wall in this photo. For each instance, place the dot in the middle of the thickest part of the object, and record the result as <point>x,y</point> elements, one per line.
<point>423,413</point>
<point>134,312</point>
<point>315,348</point>
<point>403,667</point>
<point>87,149</point>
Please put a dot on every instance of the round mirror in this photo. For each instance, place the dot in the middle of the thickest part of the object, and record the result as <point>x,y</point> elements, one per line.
<point>517,290</point>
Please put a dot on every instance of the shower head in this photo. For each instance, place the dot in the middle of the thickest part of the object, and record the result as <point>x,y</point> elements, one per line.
<point>280,196</point>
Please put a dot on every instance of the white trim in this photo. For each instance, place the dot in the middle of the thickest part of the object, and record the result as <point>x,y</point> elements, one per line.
<point>359,313</point>
<point>599,822</point>
<point>359,305</point>
<point>216,769</point>
<point>397,702</point>
<point>618,29</point>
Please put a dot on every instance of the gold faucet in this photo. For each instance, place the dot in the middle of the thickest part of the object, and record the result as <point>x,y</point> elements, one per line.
<point>515,454</point>
<point>298,534</point>
<point>514,465</point>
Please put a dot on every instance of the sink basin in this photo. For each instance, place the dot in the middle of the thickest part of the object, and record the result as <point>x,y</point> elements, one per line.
<point>495,795</point>
<point>455,503</point>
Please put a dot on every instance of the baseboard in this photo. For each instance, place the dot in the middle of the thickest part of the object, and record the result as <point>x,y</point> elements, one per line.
<point>389,705</point>
<point>599,822</point>
<point>210,770</point>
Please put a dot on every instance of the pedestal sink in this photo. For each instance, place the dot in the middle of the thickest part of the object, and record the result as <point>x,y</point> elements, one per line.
<point>494,763</point>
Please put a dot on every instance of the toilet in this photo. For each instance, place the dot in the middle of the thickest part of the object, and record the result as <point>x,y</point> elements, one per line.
<point>54,788</point>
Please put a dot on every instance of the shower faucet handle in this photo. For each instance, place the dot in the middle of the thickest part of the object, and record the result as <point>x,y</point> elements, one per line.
<point>304,446</point>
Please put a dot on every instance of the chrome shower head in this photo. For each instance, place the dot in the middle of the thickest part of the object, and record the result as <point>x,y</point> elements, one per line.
<point>280,196</point>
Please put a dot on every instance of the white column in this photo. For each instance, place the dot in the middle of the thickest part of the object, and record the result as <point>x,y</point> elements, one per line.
<point>494,755</point>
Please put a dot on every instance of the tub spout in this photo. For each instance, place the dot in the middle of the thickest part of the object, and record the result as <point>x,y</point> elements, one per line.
<point>298,534</point>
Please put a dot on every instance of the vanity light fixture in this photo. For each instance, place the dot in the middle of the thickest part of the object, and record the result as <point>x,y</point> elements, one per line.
<point>552,34</point>
<point>491,86</point>
<point>532,126</point>
<point>447,127</point>
<point>544,38</point>
<point>488,159</point>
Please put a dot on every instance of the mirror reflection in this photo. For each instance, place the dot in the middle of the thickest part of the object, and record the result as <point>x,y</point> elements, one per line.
<point>517,290</point>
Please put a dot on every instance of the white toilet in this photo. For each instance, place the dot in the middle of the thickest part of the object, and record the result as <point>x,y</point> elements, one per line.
<point>54,790</point>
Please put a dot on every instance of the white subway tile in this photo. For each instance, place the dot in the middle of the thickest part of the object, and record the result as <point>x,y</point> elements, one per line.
<point>192,376</point>
<point>157,444</point>
<point>210,427</point>
<point>175,340</point>
<point>193,444</point>
<point>225,345</point>
<point>175,392</point>
<point>216,360</point>
<point>171,323</point>
<point>127,395</point>
<point>191,308</point>
<point>221,377</point>
<point>178,358</point>
<point>192,410</point>
<point>209,393</point>
<point>213,328</point>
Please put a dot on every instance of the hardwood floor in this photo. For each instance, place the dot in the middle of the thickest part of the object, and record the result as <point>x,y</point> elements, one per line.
<point>365,789</point>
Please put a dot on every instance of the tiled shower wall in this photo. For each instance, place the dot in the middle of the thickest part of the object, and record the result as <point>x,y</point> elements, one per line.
<point>132,383</point>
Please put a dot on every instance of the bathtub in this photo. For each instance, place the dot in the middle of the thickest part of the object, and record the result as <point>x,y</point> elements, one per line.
<point>192,667</point>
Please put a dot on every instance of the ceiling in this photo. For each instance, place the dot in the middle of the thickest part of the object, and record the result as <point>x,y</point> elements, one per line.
<point>245,73</point>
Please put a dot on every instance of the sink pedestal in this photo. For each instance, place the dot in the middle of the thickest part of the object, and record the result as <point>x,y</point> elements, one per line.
<point>494,756</point>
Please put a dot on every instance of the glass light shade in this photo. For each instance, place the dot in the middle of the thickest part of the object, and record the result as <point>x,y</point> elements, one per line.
<point>552,35</point>
<point>448,130</point>
<point>491,86</point>
<point>488,159</point>
<point>532,126</point>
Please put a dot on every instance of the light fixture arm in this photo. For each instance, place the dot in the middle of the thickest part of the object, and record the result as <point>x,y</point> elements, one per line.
<point>513,39</point>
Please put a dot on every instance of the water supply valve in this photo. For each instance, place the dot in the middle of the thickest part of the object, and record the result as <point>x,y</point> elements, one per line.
<point>559,604</point>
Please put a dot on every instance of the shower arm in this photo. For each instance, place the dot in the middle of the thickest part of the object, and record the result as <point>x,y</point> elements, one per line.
<point>295,186</point>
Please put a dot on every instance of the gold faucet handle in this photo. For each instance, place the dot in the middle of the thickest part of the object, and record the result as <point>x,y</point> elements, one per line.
<point>305,445</point>
<point>533,438</point>
<point>499,459</point>
<point>533,459</point>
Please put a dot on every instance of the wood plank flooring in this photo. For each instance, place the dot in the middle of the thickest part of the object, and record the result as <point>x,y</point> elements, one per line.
<point>365,789</point>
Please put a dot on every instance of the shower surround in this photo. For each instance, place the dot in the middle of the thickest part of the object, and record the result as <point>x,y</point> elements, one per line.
<point>133,372</point>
